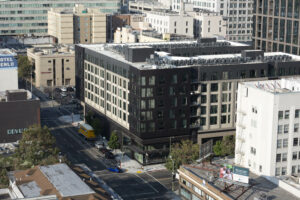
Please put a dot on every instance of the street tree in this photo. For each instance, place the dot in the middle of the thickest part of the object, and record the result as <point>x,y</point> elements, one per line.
<point>181,153</point>
<point>225,147</point>
<point>113,142</point>
<point>24,67</point>
<point>36,147</point>
<point>4,182</point>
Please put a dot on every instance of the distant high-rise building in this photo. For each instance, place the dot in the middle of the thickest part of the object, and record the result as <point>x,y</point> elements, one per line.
<point>276,25</point>
<point>30,17</point>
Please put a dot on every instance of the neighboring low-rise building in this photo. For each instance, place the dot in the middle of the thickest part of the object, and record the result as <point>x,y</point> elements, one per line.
<point>141,6</point>
<point>80,25</point>
<point>267,131</point>
<point>165,21</point>
<point>126,35</point>
<point>56,181</point>
<point>209,24</point>
<point>204,182</point>
<point>54,66</point>
<point>19,110</point>
<point>8,70</point>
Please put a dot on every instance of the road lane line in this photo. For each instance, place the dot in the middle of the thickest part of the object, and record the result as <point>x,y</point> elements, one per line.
<point>156,180</point>
<point>147,183</point>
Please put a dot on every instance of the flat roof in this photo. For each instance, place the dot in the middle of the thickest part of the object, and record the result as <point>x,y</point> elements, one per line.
<point>258,186</point>
<point>280,86</point>
<point>6,52</point>
<point>66,182</point>
<point>30,189</point>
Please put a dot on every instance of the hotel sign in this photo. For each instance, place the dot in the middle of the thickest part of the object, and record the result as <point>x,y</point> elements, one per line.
<point>8,62</point>
<point>15,131</point>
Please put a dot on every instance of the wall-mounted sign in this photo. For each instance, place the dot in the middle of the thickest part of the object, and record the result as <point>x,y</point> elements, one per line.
<point>15,131</point>
<point>8,62</point>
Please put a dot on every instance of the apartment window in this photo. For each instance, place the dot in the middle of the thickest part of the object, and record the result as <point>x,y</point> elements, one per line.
<point>279,129</point>
<point>280,115</point>
<point>213,109</point>
<point>279,144</point>
<point>286,114</point>
<point>186,23</point>
<point>174,23</point>
<point>277,171</point>
<point>294,157</point>
<point>286,128</point>
<point>285,143</point>
<point>151,103</point>
<point>283,171</point>
<point>174,79</point>
<point>294,169</point>
<point>143,104</point>
<point>214,87</point>
<point>278,157</point>
<point>213,120</point>
<point>143,81</point>
<point>214,98</point>
<point>296,127</point>
<point>203,99</point>
<point>284,157</point>
<point>295,142</point>
<point>297,113</point>
<point>186,30</point>
<point>152,80</point>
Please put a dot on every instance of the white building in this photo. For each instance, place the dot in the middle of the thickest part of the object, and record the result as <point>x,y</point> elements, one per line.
<point>209,24</point>
<point>8,70</point>
<point>171,22</point>
<point>267,131</point>
<point>238,14</point>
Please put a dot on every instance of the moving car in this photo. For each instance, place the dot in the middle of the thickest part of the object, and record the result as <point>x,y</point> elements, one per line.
<point>115,169</point>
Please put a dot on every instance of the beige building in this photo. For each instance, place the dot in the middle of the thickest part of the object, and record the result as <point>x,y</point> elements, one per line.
<point>54,67</point>
<point>80,25</point>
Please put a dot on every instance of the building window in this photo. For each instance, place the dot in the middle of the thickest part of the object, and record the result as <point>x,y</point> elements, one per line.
<point>283,171</point>
<point>174,79</point>
<point>296,127</point>
<point>143,81</point>
<point>214,87</point>
<point>214,98</point>
<point>297,113</point>
<point>152,80</point>
<point>294,169</point>
<point>185,193</point>
<point>286,114</point>
<point>286,128</point>
<point>279,129</point>
<point>277,171</point>
<point>295,142</point>
<point>213,109</point>
<point>284,157</point>
<point>294,157</point>
<point>280,115</point>
<point>279,144</point>
<point>285,143</point>
<point>151,103</point>
<point>278,157</point>
<point>213,120</point>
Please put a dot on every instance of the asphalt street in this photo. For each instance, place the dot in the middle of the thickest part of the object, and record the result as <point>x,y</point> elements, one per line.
<point>152,185</point>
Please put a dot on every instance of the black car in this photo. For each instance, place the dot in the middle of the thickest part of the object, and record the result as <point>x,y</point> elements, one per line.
<point>109,155</point>
<point>103,150</point>
<point>70,89</point>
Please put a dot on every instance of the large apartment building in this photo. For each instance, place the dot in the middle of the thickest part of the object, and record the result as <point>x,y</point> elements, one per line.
<point>80,25</point>
<point>158,93</point>
<point>30,17</point>
<point>276,25</point>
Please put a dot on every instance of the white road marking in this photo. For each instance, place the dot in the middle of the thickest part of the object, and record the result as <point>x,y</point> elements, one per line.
<point>156,180</point>
<point>147,183</point>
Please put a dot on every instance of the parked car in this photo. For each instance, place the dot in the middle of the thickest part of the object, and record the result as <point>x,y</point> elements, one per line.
<point>70,89</point>
<point>109,155</point>
<point>115,169</point>
<point>99,144</point>
<point>64,89</point>
<point>57,90</point>
<point>63,94</point>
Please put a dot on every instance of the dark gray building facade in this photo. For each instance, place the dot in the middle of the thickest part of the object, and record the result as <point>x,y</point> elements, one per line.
<point>160,93</point>
<point>17,113</point>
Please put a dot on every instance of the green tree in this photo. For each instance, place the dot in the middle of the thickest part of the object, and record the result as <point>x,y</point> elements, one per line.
<point>24,67</point>
<point>36,147</point>
<point>4,182</point>
<point>184,152</point>
<point>225,147</point>
<point>113,142</point>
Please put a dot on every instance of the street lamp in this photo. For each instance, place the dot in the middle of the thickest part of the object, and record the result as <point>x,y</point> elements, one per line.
<point>173,173</point>
<point>170,144</point>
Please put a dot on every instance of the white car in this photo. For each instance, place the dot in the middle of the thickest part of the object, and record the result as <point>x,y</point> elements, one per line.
<point>63,94</point>
<point>99,144</point>
<point>64,89</point>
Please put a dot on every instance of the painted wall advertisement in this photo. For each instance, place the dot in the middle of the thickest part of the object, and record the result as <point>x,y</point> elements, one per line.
<point>8,62</point>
